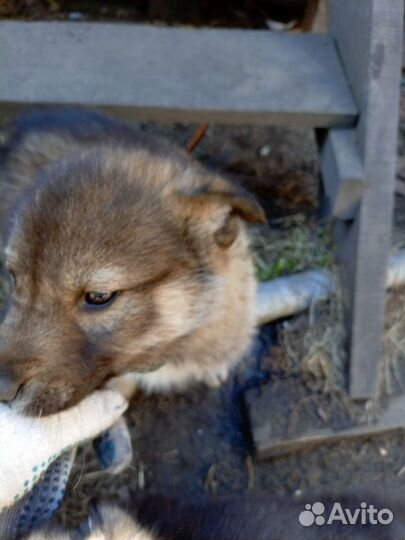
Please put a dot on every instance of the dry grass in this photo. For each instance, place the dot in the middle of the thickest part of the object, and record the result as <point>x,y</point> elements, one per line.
<point>291,245</point>
<point>315,342</point>
<point>392,374</point>
<point>315,345</point>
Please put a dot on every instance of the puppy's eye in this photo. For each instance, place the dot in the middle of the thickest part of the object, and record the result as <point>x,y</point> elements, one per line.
<point>99,298</point>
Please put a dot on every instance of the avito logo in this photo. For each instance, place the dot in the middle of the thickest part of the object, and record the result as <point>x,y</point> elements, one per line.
<point>365,515</point>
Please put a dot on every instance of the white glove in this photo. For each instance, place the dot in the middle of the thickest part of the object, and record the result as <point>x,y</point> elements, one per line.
<point>29,445</point>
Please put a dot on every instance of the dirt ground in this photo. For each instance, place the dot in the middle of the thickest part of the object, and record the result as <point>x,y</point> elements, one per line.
<point>200,442</point>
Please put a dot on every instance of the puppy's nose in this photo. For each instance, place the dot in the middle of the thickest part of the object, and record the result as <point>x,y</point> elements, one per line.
<point>8,387</point>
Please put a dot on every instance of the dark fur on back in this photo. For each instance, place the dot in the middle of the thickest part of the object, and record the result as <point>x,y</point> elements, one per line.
<point>266,518</point>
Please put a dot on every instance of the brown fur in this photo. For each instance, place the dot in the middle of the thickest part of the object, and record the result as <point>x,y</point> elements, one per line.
<point>95,206</point>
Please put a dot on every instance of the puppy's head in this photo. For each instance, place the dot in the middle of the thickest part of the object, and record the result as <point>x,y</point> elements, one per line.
<point>112,257</point>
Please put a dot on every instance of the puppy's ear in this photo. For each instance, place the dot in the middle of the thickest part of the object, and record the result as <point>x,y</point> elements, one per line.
<point>218,207</point>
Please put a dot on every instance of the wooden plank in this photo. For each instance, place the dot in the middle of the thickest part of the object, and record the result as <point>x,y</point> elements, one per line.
<point>172,74</point>
<point>280,425</point>
<point>342,172</point>
<point>322,438</point>
<point>369,40</point>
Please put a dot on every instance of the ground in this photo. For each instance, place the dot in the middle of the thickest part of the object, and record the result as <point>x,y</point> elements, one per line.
<point>201,442</point>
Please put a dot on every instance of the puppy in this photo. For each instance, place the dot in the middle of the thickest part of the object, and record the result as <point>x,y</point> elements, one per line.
<point>253,518</point>
<point>123,255</point>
